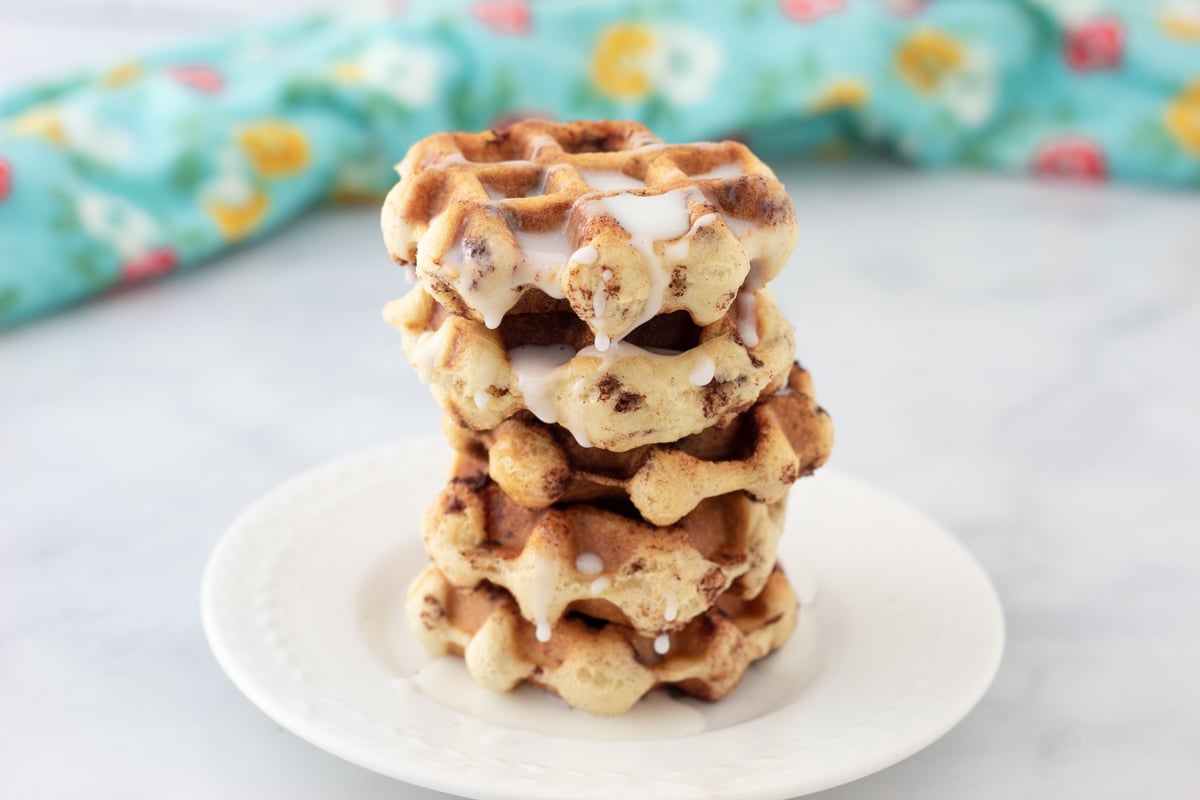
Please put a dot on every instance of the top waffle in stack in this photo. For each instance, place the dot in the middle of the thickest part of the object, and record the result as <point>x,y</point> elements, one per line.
<point>601,214</point>
<point>574,236</point>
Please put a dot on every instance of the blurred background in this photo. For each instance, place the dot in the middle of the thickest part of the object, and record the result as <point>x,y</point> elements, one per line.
<point>996,290</point>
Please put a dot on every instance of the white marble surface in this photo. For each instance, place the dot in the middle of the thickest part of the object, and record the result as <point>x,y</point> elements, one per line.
<point>1018,359</point>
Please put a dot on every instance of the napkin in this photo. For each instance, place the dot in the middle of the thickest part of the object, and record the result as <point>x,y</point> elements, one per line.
<point>162,162</point>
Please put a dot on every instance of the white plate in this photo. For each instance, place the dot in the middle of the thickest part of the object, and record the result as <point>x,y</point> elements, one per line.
<point>303,607</point>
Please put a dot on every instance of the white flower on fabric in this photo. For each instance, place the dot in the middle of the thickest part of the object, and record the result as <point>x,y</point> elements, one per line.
<point>96,138</point>
<point>75,130</point>
<point>969,93</point>
<point>683,64</point>
<point>1069,12</point>
<point>230,184</point>
<point>130,231</point>
<point>407,73</point>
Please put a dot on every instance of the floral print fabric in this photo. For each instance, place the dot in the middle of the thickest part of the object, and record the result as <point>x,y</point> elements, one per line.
<point>162,162</point>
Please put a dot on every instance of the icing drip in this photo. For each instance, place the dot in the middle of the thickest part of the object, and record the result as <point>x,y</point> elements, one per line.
<point>607,180</point>
<point>589,564</point>
<point>543,582</point>
<point>586,255</point>
<point>672,610</point>
<point>678,251</point>
<point>481,398</point>
<point>703,370</point>
<point>543,260</point>
<point>662,644</point>
<point>649,219</point>
<point>536,369</point>
<point>599,585</point>
<point>747,306</point>
<point>410,273</point>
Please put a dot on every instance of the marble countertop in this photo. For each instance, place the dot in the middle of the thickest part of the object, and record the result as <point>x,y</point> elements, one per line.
<point>1018,359</point>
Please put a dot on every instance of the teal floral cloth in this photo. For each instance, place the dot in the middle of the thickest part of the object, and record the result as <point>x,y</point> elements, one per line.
<point>164,161</point>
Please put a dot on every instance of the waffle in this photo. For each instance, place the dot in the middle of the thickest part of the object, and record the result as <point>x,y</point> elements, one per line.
<point>602,214</point>
<point>596,666</point>
<point>784,436</point>
<point>623,398</point>
<point>597,560</point>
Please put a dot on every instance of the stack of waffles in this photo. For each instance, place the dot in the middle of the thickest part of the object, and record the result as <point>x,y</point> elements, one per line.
<point>621,393</point>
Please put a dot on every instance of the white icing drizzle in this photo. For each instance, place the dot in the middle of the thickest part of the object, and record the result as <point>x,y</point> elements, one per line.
<point>599,585</point>
<point>649,219</point>
<point>747,306</point>
<point>481,398</point>
<point>589,564</point>
<point>543,580</point>
<point>678,251</point>
<point>535,367</point>
<point>588,254</point>
<point>722,171</point>
<point>599,301</point>
<point>581,437</point>
<point>740,227</point>
<point>606,275</point>
<point>543,260</point>
<point>607,180</point>
<point>672,610</point>
<point>703,370</point>
<point>410,273</point>
<point>620,349</point>
<point>662,644</point>
<point>539,142</point>
<point>602,341</point>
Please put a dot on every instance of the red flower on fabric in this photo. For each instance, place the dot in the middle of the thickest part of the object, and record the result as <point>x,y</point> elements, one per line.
<point>5,180</point>
<point>504,16</point>
<point>148,265</point>
<point>809,10</point>
<point>1097,44</point>
<point>200,77</point>
<point>1071,157</point>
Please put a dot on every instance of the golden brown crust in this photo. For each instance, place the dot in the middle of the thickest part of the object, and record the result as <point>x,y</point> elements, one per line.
<point>478,213</point>
<point>783,437</point>
<point>584,557</point>
<point>618,400</point>
<point>599,667</point>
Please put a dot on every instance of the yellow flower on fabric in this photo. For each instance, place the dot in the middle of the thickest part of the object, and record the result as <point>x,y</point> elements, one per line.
<point>237,220</point>
<point>275,148</point>
<point>841,93</point>
<point>619,63</point>
<point>1182,118</point>
<point>43,121</point>
<point>347,72</point>
<point>1180,19</point>
<point>677,63</point>
<point>926,58</point>
<point>1179,27</point>
<point>120,75</point>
